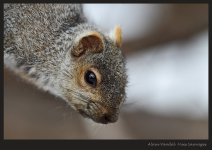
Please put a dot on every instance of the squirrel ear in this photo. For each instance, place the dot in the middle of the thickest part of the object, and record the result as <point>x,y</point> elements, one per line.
<point>116,36</point>
<point>90,41</point>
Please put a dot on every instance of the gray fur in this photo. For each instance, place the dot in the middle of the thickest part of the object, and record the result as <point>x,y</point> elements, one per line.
<point>38,39</point>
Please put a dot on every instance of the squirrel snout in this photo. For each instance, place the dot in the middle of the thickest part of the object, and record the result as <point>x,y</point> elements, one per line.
<point>108,118</point>
<point>104,118</point>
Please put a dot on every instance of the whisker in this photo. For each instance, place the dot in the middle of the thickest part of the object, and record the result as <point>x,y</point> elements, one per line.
<point>82,100</point>
<point>86,100</point>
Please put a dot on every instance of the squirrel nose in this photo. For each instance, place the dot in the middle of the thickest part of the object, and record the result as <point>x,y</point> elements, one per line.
<point>108,118</point>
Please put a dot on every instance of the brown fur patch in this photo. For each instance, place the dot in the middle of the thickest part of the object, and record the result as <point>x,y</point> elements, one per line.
<point>95,96</point>
<point>80,76</point>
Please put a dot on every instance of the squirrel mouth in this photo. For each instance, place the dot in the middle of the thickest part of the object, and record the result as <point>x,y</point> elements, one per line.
<point>104,119</point>
<point>98,113</point>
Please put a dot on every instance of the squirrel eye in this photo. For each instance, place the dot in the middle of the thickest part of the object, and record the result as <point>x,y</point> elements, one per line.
<point>90,78</point>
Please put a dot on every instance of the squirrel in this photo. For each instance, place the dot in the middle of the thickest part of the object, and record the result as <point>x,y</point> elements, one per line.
<point>55,48</point>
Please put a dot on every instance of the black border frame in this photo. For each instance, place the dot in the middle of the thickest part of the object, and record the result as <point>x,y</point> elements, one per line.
<point>99,144</point>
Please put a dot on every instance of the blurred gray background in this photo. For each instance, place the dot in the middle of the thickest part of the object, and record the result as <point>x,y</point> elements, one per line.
<point>166,47</point>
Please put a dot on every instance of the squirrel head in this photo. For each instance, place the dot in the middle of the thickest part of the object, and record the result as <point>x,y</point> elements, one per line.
<point>94,76</point>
